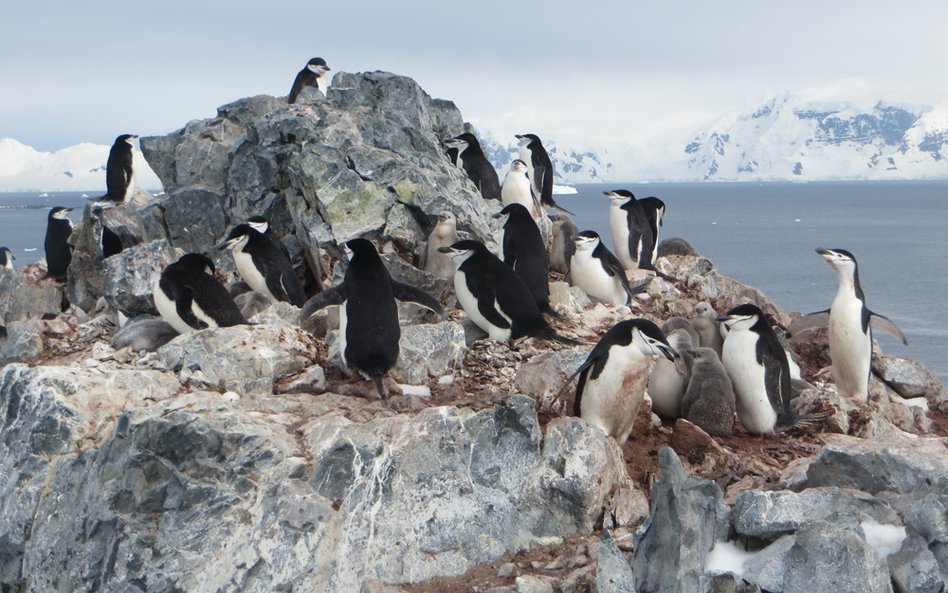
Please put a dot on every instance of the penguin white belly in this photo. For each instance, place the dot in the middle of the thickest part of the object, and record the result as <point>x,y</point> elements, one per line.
<point>516,190</point>
<point>201,315</point>
<point>620,237</point>
<point>850,348</point>
<point>740,360</point>
<point>343,324</point>
<point>666,387</point>
<point>168,311</point>
<point>322,84</point>
<point>251,275</point>
<point>611,401</point>
<point>469,303</point>
<point>588,275</point>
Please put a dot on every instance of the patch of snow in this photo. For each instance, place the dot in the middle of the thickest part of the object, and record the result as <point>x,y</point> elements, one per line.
<point>727,557</point>
<point>446,380</point>
<point>415,390</point>
<point>885,539</point>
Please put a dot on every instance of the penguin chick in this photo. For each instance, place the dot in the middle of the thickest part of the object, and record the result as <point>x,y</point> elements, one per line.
<point>612,380</point>
<point>443,234</point>
<point>709,400</point>
<point>669,378</point>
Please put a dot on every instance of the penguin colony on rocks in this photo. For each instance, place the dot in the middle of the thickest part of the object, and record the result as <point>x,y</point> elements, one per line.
<point>709,370</point>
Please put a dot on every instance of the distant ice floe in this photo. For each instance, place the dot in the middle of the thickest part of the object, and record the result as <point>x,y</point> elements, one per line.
<point>84,195</point>
<point>563,189</point>
<point>43,195</point>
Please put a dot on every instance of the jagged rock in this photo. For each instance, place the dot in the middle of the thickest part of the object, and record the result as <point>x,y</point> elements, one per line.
<point>613,573</point>
<point>367,158</point>
<point>915,569</point>
<point>543,375</point>
<point>130,276</point>
<point>531,584</point>
<point>768,567</point>
<point>768,515</point>
<point>277,315</point>
<point>873,466</point>
<point>22,297</point>
<point>825,557</point>
<point>813,400</point>
<point>241,358</point>
<point>688,515</point>
<point>23,341</point>
<point>312,380</point>
<point>928,516</point>
<point>730,583</point>
<point>429,350</point>
<point>909,378</point>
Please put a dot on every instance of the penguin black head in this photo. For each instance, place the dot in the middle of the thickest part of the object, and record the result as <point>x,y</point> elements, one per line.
<point>461,250</point>
<point>239,236</point>
<point>647,336</point>
<point>514,212</point>
<point>59,213</point>
<point>527,139</point>
<point>742,317</point>
<point>619,195</point>
<point>126,138</point>
<point>653,203</point>
<point>362,249</point>
<point>587,240</point>
<point>461,141</point>
<point>6,258</point>
<point>317,66</point>
<point>259,223</point>
<point>197,262</point>
<point>839,259</point>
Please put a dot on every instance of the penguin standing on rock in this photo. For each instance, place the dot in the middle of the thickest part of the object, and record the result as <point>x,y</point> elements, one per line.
<point>516,189</point>
<point>598,273</point>
<point>368,316</point>
<point>466,153</point>
<point>850,327</point>
<point>612,380</point>
<point>494,296</point>
<point>313,74</point>
<point>58,249</point>
<point>6,258</point>
<point>654,210</point>
<point>757,366</point>
<point>562,247</point>
<point>539,169</point>
<point>524,251</point>
<point>631,232</point>
<point>189,298</point>
<point>119,171</point>
<point>263,266</point>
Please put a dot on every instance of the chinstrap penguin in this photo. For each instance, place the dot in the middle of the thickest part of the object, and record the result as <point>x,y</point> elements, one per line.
<point>368,317</point>
<point>631,233</point>
<point>612,380</point>
<point>6,258</point>
<point>313,74</point>
<point>850,327</point>
<point>467,154</point>
<point>757,366</point>
<point>709,398</point>
<point>598,273</point>
<point>516,189</point>
<point>263,266</point>
<point>444,233</point>
<point>189,298</point>
<point>654,213</point>
<point>524,251</point>
<point>119,171</point>
<point>539,169</point>
<point>494,296</point>
<point>58,250</point>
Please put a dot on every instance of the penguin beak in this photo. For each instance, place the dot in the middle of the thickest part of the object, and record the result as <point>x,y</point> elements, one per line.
<point>446,250</point>
<point>823,251</point>
<point>668,352</point>
<point>225,244</point>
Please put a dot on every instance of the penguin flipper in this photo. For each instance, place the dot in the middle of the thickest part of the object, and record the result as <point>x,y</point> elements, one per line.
<point>182,303</point>
<point>406,292</point>
<point>487,304</point>
<point>887,325</point>
<point>809,322</point>
<point>331,296</point>
<point>296,89</point>
<point>776,378</point>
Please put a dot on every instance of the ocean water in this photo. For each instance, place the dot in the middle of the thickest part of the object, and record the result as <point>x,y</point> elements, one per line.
<point>762,234</point>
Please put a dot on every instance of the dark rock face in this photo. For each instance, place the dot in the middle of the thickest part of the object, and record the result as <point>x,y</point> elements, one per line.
<point>688,515</point>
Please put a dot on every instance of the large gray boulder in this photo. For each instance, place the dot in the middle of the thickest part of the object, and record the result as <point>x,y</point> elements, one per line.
<point>130,276</point>
<point>826,557</point>
<point>688,515</point>
<point>24,297</point>
<point>909,378</point>
<point>366,161</point>
<point>114,480</point>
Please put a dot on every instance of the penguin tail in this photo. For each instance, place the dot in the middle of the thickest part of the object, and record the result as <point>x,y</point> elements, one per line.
<point>558,208</point>
<point>549,334</point>
<point>809,422</point>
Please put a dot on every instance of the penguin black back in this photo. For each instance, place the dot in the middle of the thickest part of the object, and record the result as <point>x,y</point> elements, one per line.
<point>58,250</point>
<point>475,164</point>
<point>310,75</point>
<point>119,175</point>
<point>197,296</point>
<point>263,265</point>
<point>524,251</point>
<point>654,210</point>
<point>640,231</point>
<point>541,169</point>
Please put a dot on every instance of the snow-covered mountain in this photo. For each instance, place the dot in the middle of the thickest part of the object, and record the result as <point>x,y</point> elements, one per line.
<point>786,138</point>
<point>783,139</point>
<point>75,168</point>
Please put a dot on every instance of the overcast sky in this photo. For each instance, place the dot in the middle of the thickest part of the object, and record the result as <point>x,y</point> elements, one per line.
<point>87,71</point>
